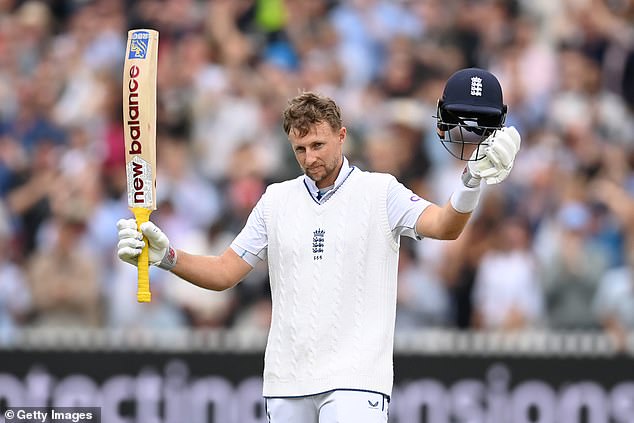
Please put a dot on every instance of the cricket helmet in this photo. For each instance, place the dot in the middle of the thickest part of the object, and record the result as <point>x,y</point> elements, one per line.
<point>470,110</point>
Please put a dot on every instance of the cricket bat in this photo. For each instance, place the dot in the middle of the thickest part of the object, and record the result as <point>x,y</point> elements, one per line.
<point>139,122</point>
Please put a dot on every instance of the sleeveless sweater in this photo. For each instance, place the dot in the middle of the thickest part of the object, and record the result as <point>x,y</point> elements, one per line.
<point>333,273</point>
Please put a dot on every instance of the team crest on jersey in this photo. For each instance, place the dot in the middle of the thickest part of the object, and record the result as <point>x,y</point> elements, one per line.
<point>476,86</point>
<point>318,244</point>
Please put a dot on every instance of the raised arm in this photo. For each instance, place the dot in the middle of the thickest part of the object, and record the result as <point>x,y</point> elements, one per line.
<point>216,273</point>
<point>448,221</point>
<point>441,222</point>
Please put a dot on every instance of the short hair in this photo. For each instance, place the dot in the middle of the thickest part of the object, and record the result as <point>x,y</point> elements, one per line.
<point>308,109</point>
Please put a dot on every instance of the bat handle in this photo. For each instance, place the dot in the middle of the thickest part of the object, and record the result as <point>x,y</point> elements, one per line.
<point>143,294</point>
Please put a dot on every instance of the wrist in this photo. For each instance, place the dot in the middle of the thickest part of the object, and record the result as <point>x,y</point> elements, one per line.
<point>169,259</point>
<point>464,199</point>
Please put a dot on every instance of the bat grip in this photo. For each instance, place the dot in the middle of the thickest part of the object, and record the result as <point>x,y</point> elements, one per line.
<point>143,294</point>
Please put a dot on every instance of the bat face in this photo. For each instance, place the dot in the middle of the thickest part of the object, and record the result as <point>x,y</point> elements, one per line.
<point>139,120</point>
<point>139,114</point>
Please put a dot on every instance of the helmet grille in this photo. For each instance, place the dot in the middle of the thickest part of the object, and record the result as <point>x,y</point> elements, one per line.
<point>462,134</point>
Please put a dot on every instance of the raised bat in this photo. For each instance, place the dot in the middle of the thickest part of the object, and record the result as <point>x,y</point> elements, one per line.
<point>139,122</point>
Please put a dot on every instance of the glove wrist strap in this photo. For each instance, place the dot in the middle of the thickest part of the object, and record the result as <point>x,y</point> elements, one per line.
<point>169,259</point>
<point>470,180</point>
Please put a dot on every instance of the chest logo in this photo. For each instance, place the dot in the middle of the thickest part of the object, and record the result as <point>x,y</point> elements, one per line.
<point>318,244</point>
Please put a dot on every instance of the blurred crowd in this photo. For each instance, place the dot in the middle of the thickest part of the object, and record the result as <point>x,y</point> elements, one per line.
<point>552,247</point>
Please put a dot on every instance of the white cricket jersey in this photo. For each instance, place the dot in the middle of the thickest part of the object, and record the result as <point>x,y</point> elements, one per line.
<point>333,271</point>
<point>403,209</point>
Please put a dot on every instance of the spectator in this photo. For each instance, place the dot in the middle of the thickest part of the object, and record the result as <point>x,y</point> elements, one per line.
<point>15,297</point>
<point>572,271</point>
<point>457,262</point>
<point>29,196</point>
<point>204,309</point>
<point>614,300</point>
<point>507,293</point>
<point>64,278</point>
<point>422,297</point>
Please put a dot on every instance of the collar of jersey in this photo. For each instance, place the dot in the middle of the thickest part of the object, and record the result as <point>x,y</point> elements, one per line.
<point>311,186</point>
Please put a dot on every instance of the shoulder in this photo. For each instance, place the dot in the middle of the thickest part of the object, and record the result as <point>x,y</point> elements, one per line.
<point>277,191</point>
<point>289,184</point>
<point>374,177</point>
<point>385,181</point>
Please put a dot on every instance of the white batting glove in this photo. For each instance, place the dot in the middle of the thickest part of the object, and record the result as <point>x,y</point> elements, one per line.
<point>161,254</point>
<point>499,156</point>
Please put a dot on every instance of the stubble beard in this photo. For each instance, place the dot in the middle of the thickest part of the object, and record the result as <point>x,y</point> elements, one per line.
<point>324,171</point>
<point>318,174</point>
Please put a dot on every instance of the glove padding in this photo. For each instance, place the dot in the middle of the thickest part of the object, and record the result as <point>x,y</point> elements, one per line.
<point>131,242</point>
<point>499,156</point>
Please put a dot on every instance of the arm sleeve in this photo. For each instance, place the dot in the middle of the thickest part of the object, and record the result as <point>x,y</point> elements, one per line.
<point>403,209</point>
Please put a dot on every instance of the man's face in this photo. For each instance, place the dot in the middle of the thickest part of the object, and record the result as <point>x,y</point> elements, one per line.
<point>319,153</point>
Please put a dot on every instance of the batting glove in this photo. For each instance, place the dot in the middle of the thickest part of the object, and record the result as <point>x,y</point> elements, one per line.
<point>131,242</point>
<point>498,159</point>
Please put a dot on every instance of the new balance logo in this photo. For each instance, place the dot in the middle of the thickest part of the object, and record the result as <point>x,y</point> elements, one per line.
<point>373,404</point>
<point>476,86</point>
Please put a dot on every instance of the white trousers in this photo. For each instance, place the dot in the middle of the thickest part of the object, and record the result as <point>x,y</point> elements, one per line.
<point>340,406</point>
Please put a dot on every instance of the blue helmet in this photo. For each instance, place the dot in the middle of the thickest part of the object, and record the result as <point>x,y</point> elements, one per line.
<point>470,109</point>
